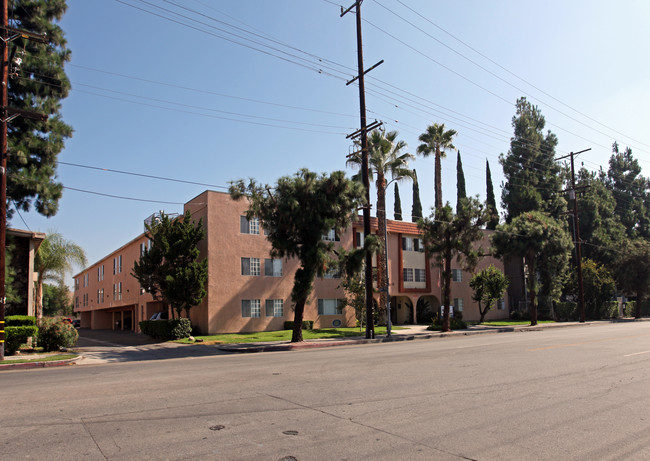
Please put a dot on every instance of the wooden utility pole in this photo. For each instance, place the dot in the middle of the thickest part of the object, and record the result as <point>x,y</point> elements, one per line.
<point>370,324</point>
<point>8,34</point>
<point>576,234</point>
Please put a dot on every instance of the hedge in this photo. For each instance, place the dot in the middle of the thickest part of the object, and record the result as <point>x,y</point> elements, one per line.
<point>16,336</point>
<point>20,320</point>
<point>167,329</point>
<point>306,325</point>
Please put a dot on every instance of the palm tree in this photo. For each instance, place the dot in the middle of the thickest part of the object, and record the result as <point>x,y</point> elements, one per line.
<point>53,260</point>
<point>436,141</point>
<point>384,158</point>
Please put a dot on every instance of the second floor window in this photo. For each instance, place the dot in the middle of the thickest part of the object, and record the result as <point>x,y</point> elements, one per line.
<point>456,275</point>
<point>407,274</point>
<point>273,267</point>
<point>420,275</point>
<point>331,236</point>
<point>247,226</point>
<point>250,266</point>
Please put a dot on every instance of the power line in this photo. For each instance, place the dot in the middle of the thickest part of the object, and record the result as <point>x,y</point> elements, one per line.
<point>122,197</point>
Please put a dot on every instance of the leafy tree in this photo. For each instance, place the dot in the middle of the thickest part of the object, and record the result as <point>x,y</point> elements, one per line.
<point>600,226</point>
<point>416,208</point>
<point>56,300</point>
<point>171,270</point>
<point>435,141</point>
<point>533,179</point>
<point>296,212</point>
<point>633,270</point>
<point>489,285</point>
<point>630,192</point>
<point>460,183</point>
<point>354,286</point>
<point>384,158</point>
<point>38,84</point>
<point>53,260</point>
<point>447,236</point>
<point>397,209</point>
<point>490,201</point>
<point>598,285</point>
<point>533,236</point>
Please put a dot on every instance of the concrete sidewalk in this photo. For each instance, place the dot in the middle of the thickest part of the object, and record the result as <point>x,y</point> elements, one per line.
<point>106,346</point>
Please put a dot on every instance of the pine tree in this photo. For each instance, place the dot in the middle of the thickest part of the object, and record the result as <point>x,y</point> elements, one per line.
<point>38,84</point>
<point>398,205</point>
<point>490,202</point>
<point>460,183</point>
<point>416,209</point>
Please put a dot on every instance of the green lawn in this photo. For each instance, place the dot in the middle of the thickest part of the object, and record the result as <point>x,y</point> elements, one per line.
<point>49,358</point>
<point>285,335</point>
<point>509,323</point>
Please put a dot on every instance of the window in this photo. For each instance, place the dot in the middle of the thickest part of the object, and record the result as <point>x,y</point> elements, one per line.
<point>117,291</point>
<point>407,274</point>
<point>332,273</point>
<point>330,306</point>
<point>85,280</point>
<point>86,299</point>
<point>420,275</point>
<point>456,275</point>
<point>274,307</point>
<point>143,248</point>
<point>76,284</point>
<point>412,244</point>
<point>358,239</point>
<point>273,267</point>
<point>501,304</point>
<point>250,266</point>
<point>331,236</point>
<point>247,226</point>
<point>100,273</point>
<point>100,296</point>
<point>117,264</point>
<point>76,301</point>
<point>458,305</point>
<point>250,307</point>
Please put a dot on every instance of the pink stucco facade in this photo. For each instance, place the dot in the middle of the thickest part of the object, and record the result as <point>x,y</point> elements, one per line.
<point>246,291</point>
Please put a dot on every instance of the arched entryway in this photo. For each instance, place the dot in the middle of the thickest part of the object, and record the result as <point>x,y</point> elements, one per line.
<point>401,310</point>
<point>426,309</point>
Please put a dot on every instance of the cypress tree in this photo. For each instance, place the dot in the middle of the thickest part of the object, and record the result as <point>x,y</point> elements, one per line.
<point>416,210</point>
<point>460,183</point>
<point>398,205</point>
<point>39,85</point>
<point>490,202</point>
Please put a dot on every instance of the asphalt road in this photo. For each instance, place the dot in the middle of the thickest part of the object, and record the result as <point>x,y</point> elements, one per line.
<point>566,393</point>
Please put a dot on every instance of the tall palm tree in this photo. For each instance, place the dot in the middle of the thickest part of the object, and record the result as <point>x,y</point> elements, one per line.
<point>436,141</point>
<point>53,260</point>
<point>384,158</point>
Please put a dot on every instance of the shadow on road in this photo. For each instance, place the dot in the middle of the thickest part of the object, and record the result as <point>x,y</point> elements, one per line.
<point>108,346</point>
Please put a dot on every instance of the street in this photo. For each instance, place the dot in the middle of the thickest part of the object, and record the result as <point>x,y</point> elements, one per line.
<point>562,393</point>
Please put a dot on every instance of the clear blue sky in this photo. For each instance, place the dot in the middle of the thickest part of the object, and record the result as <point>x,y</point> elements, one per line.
<point>186,99</point>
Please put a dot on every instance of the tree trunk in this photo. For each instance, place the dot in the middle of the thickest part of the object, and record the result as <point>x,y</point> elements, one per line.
<point>446,292</point>
<point>531,290</point>
<point>299,310</point>
<point>38,298</point>
<point>640,296</point>
<point>438,182</point>
<point>381,253</point>
<point>482,312</point>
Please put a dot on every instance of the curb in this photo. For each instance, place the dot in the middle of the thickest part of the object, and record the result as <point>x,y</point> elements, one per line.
<point>244,349</point>
<point>50,364</point>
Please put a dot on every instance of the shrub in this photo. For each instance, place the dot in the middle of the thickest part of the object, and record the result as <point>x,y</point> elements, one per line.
<point>54,334</point>
<point>565,311</point>
<point>20,320</point>
<point>167,329</point>
<point>306,325</point>
<point>630,308</point>
<point>613,310</point>
<point>16,336</point>
<point>454,323</point>
<point>519,315</point>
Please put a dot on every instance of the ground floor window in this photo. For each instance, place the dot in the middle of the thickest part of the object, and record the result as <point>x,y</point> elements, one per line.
<point>330,306</point>
<point>458,304</point>
<point>250,308</point>
<point>274,307</point>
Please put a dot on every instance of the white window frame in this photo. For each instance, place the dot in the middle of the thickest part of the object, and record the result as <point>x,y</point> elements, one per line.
<point>275,267</point>
<point>274,308</point>
<point>253,267</point>
<point>458,304</point>
<point>249,226</point>
<point>330,306</point>
<point>456,275</point>
<point>419,275</point>
<point>250,308</point>
<point>407,274</point>
<point>331,236</point>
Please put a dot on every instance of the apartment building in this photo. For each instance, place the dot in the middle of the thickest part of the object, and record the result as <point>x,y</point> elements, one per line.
<point>247,290</point>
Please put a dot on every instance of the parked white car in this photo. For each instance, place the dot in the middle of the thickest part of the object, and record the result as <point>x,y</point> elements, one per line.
<point>162,315</point>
